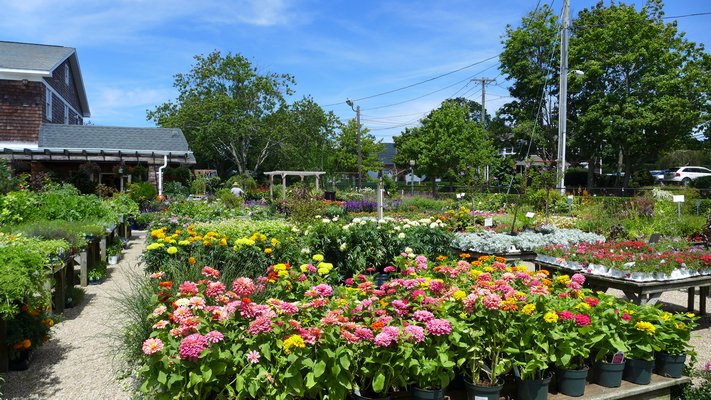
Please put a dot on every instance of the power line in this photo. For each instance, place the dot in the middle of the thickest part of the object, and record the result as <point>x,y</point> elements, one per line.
<point>418,83</point>
<point>688,15</point>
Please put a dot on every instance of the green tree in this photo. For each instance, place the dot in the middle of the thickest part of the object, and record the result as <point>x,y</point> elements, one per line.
<point>344,156</point>
<point>645,86</point>
<point>447,143</point>
<point>305,143</point>
<point>228,110</point>
<point>530,62</point>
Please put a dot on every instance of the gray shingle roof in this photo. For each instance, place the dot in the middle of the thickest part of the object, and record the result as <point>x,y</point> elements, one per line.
<point>58,136</point>
<point>25,56</point>
<point>388,153</point>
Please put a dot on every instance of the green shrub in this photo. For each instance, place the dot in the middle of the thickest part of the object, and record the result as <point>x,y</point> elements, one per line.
<point>702,183</point>
<point>142,192</point>
<point>229,199</point>
<point>304,210</point>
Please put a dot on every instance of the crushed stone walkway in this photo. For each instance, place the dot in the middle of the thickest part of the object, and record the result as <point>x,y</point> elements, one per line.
<point>81,360</point>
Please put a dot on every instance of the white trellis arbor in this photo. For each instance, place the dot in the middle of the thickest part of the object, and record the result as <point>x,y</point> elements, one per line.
<point>284,174</point>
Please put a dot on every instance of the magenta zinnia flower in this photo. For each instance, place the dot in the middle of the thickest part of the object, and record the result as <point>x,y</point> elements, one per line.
<point>152,346</point>
<point>582,320</point>
<point>438,327</point>
<point>192,346</point>
<point>565,315</point>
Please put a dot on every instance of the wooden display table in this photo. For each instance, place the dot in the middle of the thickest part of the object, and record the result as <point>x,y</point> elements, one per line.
<point>641,292</point>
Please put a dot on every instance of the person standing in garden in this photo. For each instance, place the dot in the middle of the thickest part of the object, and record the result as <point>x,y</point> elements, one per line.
<point>236,190</point>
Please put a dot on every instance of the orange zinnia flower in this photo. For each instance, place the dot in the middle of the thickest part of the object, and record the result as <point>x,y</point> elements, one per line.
<point>166,284</point>
<point>377,325</point>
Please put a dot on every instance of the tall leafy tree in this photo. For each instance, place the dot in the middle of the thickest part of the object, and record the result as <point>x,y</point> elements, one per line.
<point>645,85</point>
<point>447,143</point>
<point>344,156</point>
<point>529,60</point>
<point>229,110</point>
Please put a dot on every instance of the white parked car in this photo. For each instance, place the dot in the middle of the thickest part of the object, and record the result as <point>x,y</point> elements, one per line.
<point>685,175</point>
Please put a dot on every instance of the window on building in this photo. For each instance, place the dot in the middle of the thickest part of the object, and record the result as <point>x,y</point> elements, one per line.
<point>66,74</point>
<point>48,104</point>
<point>66,114</point>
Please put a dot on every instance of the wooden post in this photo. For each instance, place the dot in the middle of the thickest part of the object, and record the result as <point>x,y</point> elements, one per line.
<point>283,187</point>
<point>690,298</point>
<point>84,277</point>
<point>102,248</point>
<point>59,285</point>
<point>316,182</point>
<point>271,187</point>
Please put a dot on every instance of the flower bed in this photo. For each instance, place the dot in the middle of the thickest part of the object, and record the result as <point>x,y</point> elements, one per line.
<point>634,260</point>
<point>297,334</point>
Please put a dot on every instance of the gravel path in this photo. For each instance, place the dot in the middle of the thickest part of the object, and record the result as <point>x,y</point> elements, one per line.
<point>80,361</point>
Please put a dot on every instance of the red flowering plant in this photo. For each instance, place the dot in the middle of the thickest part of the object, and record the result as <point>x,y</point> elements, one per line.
<point>610,321</point>
<point>573,333</point>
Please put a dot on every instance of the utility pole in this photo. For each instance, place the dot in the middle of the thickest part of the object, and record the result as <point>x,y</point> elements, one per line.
<point>563,99</point>
<point>360,155</point>
<point>483,82</point>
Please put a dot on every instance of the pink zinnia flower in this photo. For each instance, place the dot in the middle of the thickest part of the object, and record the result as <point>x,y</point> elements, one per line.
<point>157,275</point>
<point>160,324</point>
<point>215,289</point>
<point>188,288</point>
<point>582,320</point>
<point>197,303</point>
<point>592,301</point>
<point>422,316</point>
<point>350,337</point>
<point>259,325</point>
<point>491,301</point>
<point>349,281</point>
<point>415,332</point>
<point>210,272</point>
<point>364,333</point>
<point>152,346</point>
<point>436,286</point>
<point>389,269</point>
<point>160,310</point>
<point>323,290</point>
<point>253,356</point>
<point>244,287</point>
<point>626,317</point>
<point>192,346</point>
<point>214,336</point>
<point>578,278</point>
<point>707,367</point>
<point>438,327</point>
<point>383,340</point>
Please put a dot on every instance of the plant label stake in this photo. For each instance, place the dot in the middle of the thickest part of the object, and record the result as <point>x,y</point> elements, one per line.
<point>678,199</point>
<point>488,222</point>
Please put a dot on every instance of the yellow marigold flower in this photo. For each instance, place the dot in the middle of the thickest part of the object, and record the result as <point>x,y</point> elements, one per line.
<point>550,317</point>
<point>262,237</point>
<point>244,242</point>
<point>184,243</point>
<point>206,243</point>
<point>680,325</point>
<point>647,327</point>
<point>459,295</point>
<point>223,241</point>
<point>268,250</point>
<point>153,246</point>
<point>282,273</point>
<point>275,242</point>
<point>192,260</point>
<point>254,237</point>
<point>528,309</point>
<point>178,231</point>
<point>172,250</point>
<point>666,316</point>
<point>317,257</point>
<point>293,341</point>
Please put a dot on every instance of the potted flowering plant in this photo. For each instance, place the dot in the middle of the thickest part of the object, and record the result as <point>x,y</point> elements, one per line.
<point>432,360</point>
<point>673,339</point>
<point>610,322</point>
<point>641,329</point>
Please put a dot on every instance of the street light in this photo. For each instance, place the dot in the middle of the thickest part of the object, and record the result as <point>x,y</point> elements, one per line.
<point>412,177</point>
<point>360,157</point>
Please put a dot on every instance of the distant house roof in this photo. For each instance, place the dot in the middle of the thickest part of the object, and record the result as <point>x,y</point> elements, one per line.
<point>37,61</point>
<point>388,153</point>
<point>109,139</point>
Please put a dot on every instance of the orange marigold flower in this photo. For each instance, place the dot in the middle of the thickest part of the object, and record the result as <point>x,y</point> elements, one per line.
<point>192,260</point>
<point>546,282</point>
<point>544,272</point>
<point>465,255</point>
<point>500,259</point>
<point>441,258</point>
<point>26,343</point>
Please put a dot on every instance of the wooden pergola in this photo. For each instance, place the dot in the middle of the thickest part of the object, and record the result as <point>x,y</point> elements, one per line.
<point>284,174</point>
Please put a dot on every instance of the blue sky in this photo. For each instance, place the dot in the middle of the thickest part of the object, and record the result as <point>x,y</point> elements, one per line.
<point>129,50</point>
